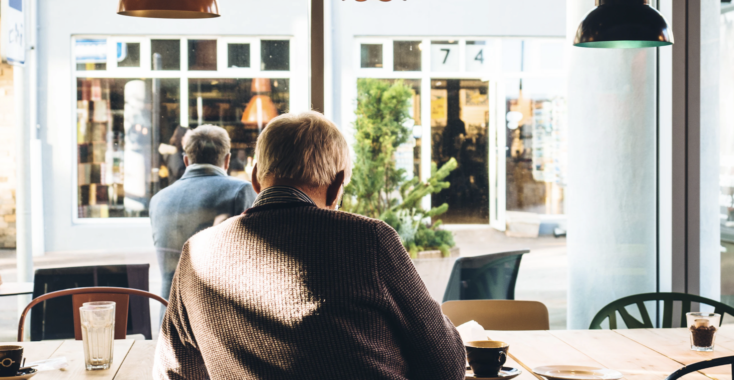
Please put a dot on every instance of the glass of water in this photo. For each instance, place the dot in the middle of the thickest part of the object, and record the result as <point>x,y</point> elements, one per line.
<point>98,334</point>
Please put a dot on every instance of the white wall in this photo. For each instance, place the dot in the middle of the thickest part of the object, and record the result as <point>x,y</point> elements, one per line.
<point>58,21</point>
<point>611,204</point>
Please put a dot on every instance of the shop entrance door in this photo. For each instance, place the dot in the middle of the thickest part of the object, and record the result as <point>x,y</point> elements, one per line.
<point>460,119</point>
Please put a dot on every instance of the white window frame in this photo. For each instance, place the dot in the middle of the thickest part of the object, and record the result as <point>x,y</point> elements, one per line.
<point>494,75</point>
<point>184,74</point>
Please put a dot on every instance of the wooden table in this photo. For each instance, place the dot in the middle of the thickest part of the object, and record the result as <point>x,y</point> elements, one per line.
<point>132,360</point>
<point>638,354</point>
<point>15,288</point>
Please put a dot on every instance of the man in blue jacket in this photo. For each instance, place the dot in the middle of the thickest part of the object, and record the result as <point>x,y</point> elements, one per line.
<point>203,197</point>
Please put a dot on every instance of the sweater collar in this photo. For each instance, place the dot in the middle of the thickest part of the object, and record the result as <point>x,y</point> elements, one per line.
<point>282,195</point>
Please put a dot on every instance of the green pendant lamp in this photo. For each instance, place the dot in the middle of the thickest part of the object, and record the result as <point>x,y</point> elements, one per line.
<point>186,9</point>
<point>623,24</point>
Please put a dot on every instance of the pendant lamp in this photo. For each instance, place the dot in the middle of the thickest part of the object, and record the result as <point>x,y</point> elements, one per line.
<point>623,24</point>
<point>169,8</point>
<point>261,109</point>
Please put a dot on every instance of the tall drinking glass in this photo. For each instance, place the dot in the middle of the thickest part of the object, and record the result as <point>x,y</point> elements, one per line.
<point>98,335</point>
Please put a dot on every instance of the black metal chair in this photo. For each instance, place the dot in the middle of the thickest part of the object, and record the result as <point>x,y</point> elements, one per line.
<point>54,318</point>
<point>620,307</point>
<point>726,360</point>
<point>486,277</point>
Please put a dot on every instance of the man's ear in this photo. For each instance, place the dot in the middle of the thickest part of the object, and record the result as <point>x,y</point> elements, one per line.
<point>186,161</point>
<point>227,159</point>
<point>255,182</point>
<point>332,192</point>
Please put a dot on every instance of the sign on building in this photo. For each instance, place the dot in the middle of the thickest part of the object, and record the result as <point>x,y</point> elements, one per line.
<point>12,24</point>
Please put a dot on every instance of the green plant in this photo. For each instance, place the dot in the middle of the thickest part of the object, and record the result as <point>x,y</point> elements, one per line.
<point>377,188</point>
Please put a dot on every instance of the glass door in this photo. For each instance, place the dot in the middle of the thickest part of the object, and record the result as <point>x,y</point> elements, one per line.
<point>460,118</point>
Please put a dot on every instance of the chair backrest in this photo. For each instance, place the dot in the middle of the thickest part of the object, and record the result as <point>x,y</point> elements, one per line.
<point>726,360</point>
<point>620,307</point>
<point>500,315</point>
<point>79,296</point>
<point>484,277</point>
<point>53,319</point>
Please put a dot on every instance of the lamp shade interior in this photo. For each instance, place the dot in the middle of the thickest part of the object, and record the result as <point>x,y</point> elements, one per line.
<point>182,9</point>
<point>623,24</point>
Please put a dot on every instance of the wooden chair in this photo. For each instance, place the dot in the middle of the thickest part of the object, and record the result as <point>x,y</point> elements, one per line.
<point>485,277</point>
<point>726,360</point>
<point>620,307</point>
<point>121,296</point>
<point>53,319</point>
<point>502,315</point>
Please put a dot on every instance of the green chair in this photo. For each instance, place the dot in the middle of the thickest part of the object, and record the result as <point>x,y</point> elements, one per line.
<point>619,306</point>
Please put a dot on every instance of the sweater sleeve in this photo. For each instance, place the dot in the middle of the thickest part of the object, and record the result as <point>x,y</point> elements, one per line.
<point>177,356</point>
<point>430,343</point>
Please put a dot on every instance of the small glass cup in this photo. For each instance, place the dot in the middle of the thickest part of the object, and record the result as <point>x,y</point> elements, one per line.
<point>703,327</point>
<point>98,335</point>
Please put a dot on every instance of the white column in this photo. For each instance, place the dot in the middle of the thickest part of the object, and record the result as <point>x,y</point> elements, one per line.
<point>612,173</point>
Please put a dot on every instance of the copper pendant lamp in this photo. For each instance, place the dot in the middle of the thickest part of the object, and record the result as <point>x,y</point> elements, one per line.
<point>185,9</point>
<point>261,109</point>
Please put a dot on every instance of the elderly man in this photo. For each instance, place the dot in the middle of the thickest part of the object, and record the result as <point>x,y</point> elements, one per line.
<point>203,196</point>
<point>294,289</point>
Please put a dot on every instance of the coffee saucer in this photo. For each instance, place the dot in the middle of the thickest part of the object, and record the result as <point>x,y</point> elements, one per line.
<point>505,374</point>
<point>27,374</point>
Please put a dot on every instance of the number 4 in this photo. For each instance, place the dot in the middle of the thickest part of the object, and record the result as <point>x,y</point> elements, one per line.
<point>480,56</point>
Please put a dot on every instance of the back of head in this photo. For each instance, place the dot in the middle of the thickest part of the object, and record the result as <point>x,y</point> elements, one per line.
<point>207,144</point>
<point>306,148</point>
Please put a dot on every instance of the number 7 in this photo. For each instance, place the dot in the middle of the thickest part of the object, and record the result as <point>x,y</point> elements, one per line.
<point>447,55</point>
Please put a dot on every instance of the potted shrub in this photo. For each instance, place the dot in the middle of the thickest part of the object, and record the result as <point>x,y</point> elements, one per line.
<point>379,189</point>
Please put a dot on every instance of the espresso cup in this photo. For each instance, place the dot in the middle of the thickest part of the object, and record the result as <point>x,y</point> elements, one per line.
<point>10,358</point>
<point>486,357</point>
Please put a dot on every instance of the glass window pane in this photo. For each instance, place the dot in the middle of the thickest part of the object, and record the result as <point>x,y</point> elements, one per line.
<point>459,123</point>
<point>90,54</point>
<point>445,56</point>
<point>202,55</point>
<point>478,56</point>
<point>128,54</point>
<point>238,55</point>
<point>118,126</point>
<point>241,106</point>
<point>537,129</point>
<point>275,55</point>
<point>371,55</point>
<point>407,55</point>
<point>168,52</point>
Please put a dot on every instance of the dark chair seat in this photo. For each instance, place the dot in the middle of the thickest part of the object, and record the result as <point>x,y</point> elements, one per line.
<point>486,277</point>
<point>54,319</point>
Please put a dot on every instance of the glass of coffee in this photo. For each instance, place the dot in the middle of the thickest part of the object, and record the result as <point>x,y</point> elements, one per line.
<point>703,327</point>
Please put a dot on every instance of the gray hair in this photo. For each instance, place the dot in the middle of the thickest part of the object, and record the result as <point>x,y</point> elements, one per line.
<point>206,144</point>
<point>307,148</point>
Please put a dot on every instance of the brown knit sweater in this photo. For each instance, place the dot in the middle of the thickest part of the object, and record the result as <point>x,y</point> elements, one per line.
<point>296,292</point>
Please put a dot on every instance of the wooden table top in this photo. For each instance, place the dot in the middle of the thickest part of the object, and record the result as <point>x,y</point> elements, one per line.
<point>16,288</point>
<point>638,354</point>
<point>132,359</point>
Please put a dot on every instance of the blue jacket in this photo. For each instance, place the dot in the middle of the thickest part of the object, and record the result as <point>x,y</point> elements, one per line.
<point>193,203</point>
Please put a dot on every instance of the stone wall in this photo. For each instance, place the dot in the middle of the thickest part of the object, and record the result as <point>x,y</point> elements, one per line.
<point>7,159</point>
